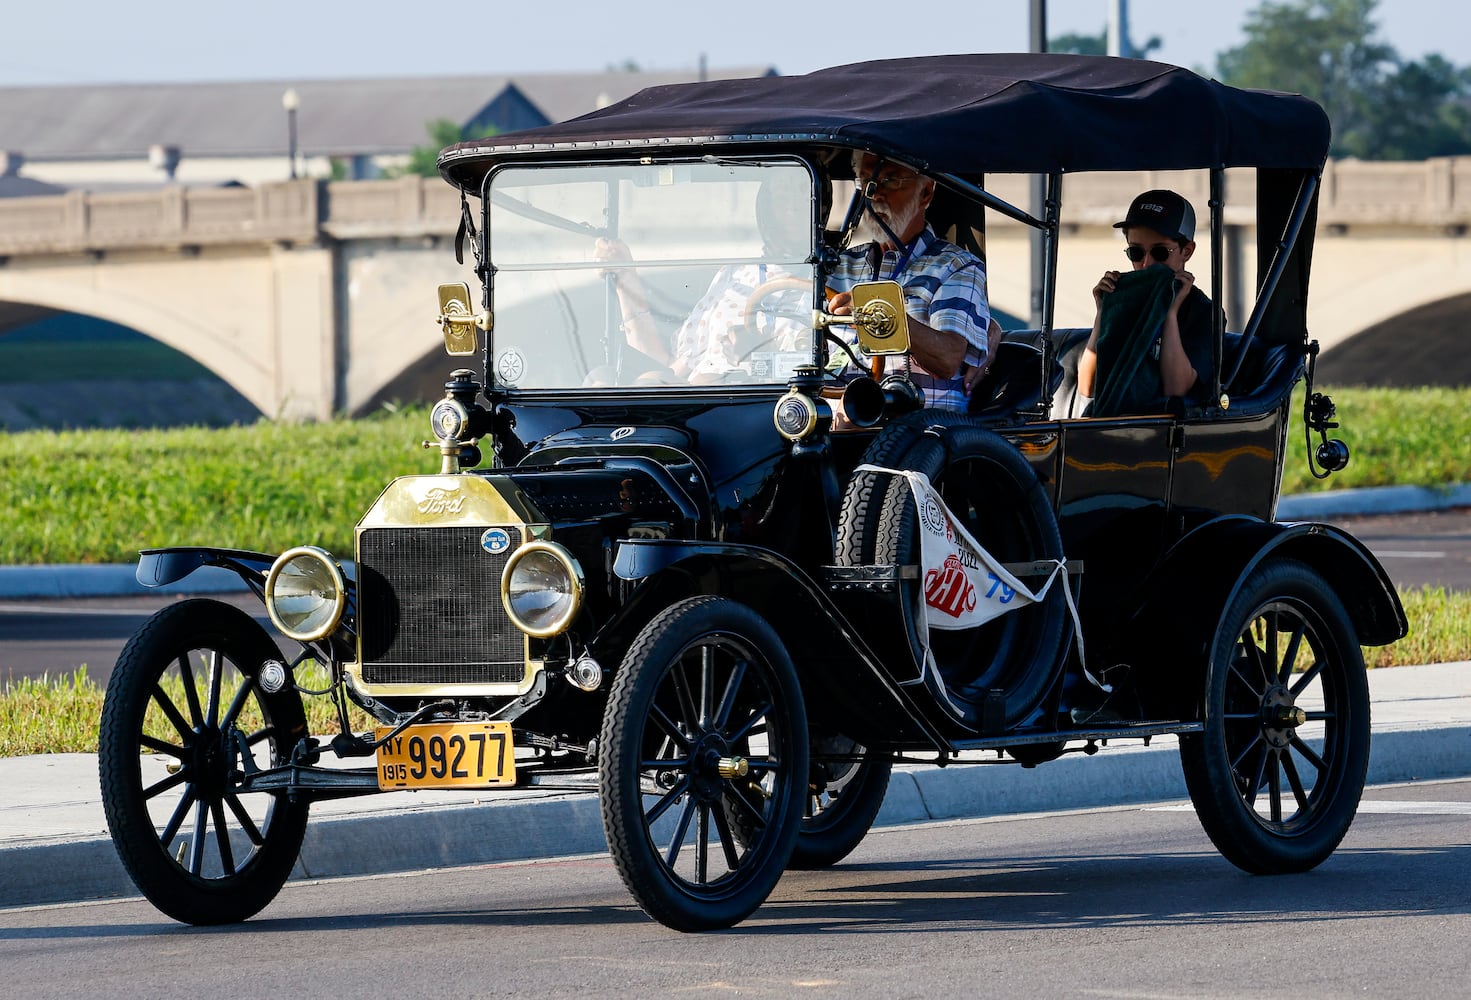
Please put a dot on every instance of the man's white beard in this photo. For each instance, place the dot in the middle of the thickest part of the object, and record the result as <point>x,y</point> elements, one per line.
<point>898,218</point>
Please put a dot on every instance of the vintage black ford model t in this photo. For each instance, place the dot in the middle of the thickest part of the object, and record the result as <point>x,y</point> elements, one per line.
<point>701,592</point>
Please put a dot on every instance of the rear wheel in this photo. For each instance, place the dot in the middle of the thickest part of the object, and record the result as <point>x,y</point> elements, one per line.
<point>182,721</point>
<point>704,764</point>
<point>1277,774</point>
<point>843,799</point>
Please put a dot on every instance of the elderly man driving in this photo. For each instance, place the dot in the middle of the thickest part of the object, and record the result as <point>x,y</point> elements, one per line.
<point>944,286</point>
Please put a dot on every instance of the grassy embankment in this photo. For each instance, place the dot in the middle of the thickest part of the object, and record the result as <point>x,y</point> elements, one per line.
<point>100,496</point>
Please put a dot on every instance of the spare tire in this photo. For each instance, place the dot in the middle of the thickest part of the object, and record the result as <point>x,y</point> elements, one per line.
<point>994,492</point>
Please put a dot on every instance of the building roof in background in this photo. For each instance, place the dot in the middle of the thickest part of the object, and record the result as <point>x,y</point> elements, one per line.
<point>336,117</point>
<point>12,186</point>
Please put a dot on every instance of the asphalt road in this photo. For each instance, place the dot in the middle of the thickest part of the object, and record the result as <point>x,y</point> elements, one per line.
<point>57,636</point>
<point>1106,903</point>
<point>1426,549</point>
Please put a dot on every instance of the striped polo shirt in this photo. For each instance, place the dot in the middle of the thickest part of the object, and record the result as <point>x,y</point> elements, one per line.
<point>944,287</point>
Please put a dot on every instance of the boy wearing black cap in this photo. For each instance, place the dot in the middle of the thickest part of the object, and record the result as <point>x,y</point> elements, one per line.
<point>1159,229</point>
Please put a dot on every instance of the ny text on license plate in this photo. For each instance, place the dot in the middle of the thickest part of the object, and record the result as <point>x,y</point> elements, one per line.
<point>457,755</point>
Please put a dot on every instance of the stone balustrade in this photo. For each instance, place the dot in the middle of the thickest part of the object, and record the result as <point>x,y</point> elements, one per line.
<point>1433,194</point>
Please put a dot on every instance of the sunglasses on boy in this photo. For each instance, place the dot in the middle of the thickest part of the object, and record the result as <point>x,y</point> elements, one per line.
<point>1159,253</point>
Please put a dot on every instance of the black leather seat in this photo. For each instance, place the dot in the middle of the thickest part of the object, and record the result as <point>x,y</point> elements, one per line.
<point>1265,377</point>
<point>1067,346</point>
<point>1014,382</point>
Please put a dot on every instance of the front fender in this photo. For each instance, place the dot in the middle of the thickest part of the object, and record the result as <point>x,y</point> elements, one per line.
<point>160,567</point>
<point>845,685</point>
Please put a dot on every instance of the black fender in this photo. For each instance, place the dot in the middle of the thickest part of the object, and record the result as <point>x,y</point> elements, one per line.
<point>842,679</point>
<point>1185,596</point>
<point>160,567</point>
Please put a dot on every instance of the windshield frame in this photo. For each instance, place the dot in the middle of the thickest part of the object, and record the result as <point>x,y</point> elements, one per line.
<point>814,258</point>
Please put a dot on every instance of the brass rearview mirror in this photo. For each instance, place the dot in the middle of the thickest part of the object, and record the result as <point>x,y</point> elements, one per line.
<point>458,321</point>
<point>878,316</point>
<point>878,313</point>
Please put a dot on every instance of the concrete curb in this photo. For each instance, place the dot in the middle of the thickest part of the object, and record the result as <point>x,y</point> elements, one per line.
<point>443,835</point>
<point>1371,500</point>
<point>105,580</point>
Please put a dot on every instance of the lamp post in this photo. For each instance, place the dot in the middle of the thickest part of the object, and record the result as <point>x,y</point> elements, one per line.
<point>291,100</point>
<point>1038,200</point>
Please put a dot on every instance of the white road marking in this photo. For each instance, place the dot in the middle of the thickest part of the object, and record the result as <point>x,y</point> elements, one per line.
<point>1417,808</point>
<point>1380,806</point>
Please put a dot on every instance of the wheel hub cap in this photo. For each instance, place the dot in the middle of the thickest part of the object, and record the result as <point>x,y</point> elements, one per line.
<point>709,763</point>
<point>1280,717</point>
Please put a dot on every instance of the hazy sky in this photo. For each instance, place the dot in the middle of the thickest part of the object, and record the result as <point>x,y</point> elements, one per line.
<point>107,41</point>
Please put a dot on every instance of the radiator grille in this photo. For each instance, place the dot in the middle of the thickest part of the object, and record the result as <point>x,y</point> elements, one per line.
<point>429,609</point>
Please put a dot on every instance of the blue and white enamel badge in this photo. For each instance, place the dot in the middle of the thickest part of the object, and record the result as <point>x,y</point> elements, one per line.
<point>495,540</point>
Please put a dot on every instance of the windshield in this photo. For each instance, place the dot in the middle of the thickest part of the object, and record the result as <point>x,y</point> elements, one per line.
<point>651,274</point>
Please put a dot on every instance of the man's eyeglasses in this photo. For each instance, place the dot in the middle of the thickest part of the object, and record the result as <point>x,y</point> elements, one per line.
<point>889,182</point>
<point>1159,253</point>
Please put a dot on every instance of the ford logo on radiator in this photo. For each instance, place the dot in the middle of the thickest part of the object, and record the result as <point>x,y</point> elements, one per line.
<point>495,540</point>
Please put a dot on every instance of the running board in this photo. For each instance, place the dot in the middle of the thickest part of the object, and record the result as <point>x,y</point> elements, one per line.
<point>1121,731</point>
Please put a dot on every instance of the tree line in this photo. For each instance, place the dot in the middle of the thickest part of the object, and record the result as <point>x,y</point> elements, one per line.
<point>1381,106</point>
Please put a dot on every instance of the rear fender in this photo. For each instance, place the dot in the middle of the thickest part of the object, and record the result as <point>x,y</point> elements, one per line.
<point>842,680</point>
<point>1186,596</point>
<point>1208,566</point>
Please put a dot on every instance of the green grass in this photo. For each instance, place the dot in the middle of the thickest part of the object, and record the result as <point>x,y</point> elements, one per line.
<point>1440,630</point>
<point>1396,437</point>
<point>101,496</point>
<point>60,714</point>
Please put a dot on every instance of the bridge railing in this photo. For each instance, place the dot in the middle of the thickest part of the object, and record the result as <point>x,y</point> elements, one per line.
<point>1433,194</point>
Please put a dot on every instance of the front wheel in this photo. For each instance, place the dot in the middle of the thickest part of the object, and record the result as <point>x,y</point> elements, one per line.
<point>704,764</point>
<point>1277,774</point>
<point>182,720</point>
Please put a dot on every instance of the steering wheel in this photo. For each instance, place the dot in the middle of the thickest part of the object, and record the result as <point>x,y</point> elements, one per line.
<point>764,291</point>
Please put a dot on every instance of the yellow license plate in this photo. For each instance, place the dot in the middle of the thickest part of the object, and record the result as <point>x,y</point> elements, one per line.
<point>455,755</point>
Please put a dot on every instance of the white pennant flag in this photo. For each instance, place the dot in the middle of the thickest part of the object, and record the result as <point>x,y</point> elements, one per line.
<point>964,585</point>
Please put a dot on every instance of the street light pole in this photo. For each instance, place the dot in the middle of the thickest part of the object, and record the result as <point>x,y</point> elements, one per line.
<point>291,100</point>
<point>1038,199</point>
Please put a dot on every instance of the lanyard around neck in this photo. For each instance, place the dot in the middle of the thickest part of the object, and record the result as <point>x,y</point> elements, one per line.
<point>903,261</point>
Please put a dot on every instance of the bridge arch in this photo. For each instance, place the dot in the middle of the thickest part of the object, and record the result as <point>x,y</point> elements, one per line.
<point>1428,345</point>
<point>172,323</point>
<point>1362,281</point>
<point>260,317</point>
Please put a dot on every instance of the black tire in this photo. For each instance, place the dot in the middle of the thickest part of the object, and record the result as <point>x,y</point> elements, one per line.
<point>994,492</point>
<point>707,682</point>
<point>864,497</point>
<point>200,851</point>
<point>1285,669</point>
<point>843,799</point>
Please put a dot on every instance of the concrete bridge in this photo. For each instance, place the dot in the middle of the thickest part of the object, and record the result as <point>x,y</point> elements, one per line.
<point>310,297</point>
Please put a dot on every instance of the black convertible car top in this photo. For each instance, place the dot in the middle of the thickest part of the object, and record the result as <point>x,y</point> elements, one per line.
<point>960,114</point>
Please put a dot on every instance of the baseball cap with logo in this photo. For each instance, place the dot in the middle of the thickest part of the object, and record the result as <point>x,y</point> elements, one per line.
<point>1163,211</point>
